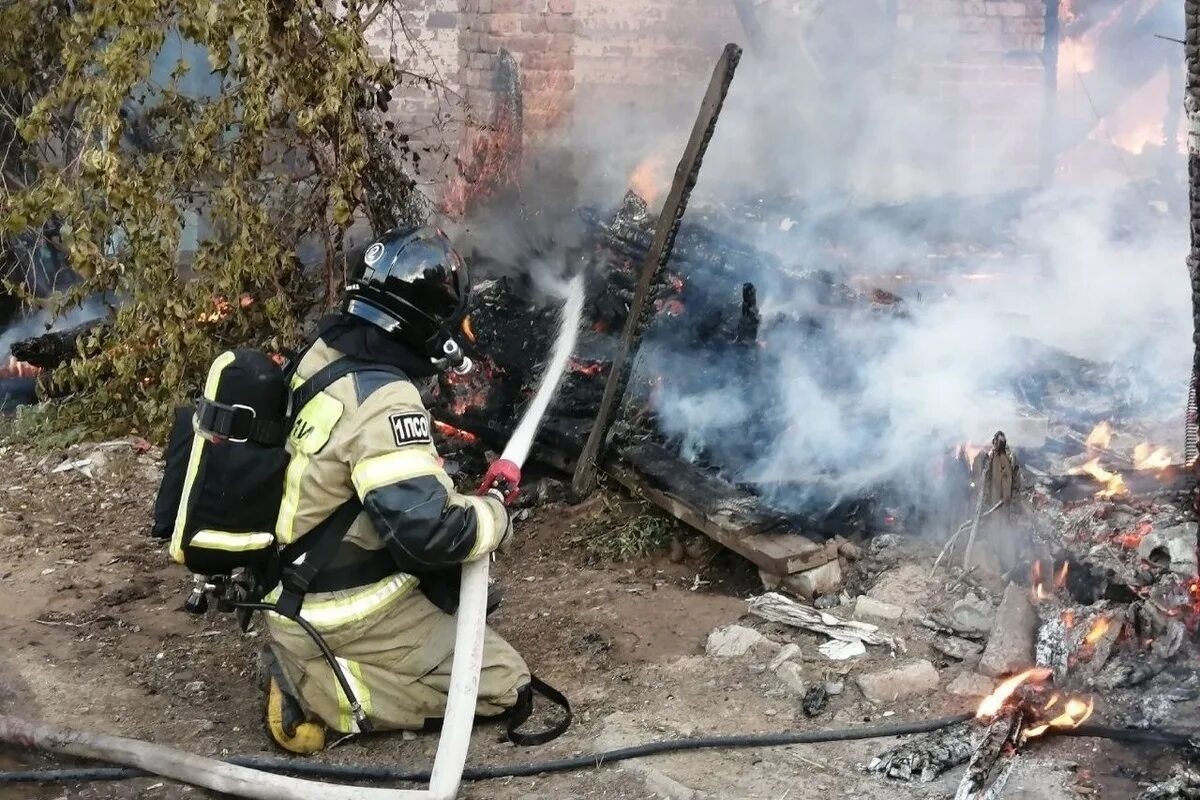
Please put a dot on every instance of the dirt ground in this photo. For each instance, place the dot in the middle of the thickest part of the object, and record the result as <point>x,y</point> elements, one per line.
<point>93,637</point>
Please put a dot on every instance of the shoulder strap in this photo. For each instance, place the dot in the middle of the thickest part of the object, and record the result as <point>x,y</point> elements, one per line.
<point>524,708</point>
<point>318,547</point>
<point>327,375</point>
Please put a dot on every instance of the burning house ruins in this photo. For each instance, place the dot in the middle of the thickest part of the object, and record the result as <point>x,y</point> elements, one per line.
<point>956,311</point>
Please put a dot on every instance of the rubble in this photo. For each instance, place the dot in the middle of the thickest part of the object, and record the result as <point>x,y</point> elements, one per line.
<point>972,615</point>
<point>1010,646</point>
<point>970,684</point>
<point>787,652</point>
<point>956,648</point>
<point>1173,548</point>
<point>778,608</point>
<point>791,675</point>
<point>734,641</point>
<point>903,680</point>
<point>822,580</point>
<point>871,608</point>
<point>926,757</point>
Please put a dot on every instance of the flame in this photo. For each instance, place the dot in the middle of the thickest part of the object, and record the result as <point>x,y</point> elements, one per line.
<point>585,367</point>
<point>455,433</point>
<point>1099,628</point>
<point>1114,484</point>
<point>647,178</point>
<point>991,705</point>
<point>1074,714</point>
<point>1100,437</point>
<point>971,451</point>
<point>1060,577</point>
<point>1039,589</point>
<point>1147,456</point>
<point>19,369</point>
<point>468,330</point>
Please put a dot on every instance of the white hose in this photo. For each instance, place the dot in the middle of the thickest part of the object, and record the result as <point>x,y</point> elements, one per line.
<point>472,603</point>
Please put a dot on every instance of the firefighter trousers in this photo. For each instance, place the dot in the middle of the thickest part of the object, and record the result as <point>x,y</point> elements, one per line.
<point>397,660</point>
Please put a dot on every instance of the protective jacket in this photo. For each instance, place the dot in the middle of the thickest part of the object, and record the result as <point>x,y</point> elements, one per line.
<point>367,437</point>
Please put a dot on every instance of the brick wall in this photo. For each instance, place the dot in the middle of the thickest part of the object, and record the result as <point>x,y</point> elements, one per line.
<point>541,36</point>
<point>422,38</point>
<point>969,70</point>
<point>974,69</point>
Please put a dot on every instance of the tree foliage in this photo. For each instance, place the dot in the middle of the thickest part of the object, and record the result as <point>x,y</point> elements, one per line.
<point>270,152</point>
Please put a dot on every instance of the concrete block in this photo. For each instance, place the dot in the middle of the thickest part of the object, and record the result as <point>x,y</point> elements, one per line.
<point>1010,645</point>
<point>907,679</point>
<point>870,608</point>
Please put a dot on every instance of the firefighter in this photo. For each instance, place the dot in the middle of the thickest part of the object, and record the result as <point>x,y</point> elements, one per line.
<point>367,437</point>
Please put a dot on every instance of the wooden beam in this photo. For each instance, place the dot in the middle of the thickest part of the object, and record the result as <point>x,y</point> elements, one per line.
<point>660,252</point>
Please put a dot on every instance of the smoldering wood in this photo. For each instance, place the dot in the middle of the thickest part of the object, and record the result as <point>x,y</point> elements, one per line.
<point>51,350</point>
<point>986,772</point>
<point>928,756</point>
<point>660,252</point>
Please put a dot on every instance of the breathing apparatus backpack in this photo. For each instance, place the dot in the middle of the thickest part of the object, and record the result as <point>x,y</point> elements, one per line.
<point>226,465</point>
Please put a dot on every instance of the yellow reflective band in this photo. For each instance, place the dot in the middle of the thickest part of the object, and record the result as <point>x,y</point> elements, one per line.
<point>353,672</point>
<point>211,384</point>
<point>339,611</point>
<point>233,542</point>
<point>487,533</point>
<point>311,431</point>
<point>402,465</point>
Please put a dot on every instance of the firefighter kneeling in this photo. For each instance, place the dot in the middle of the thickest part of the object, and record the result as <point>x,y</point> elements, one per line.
<point>334,453</point>
<point>367,437</point>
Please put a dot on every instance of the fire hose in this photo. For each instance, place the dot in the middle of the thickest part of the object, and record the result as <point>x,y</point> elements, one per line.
<point>450,759</point>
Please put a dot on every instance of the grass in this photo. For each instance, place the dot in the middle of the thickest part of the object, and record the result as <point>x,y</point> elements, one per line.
<point>626,530</point>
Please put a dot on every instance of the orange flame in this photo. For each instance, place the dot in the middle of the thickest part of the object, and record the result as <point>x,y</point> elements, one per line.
<point>1100,437</point>
<point>991,705</point>
<point>1099,628</point>
<point>456,433</point>
<point>19,369</point>
<point>1060,577</point>
<point>223,308</point>
<point>1075,713</point>
<point>648,178</point>
<point>1114,483</point>
<point>1147,456</point>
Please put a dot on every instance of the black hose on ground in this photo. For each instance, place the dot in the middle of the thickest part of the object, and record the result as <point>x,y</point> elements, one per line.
<point>350,772</point>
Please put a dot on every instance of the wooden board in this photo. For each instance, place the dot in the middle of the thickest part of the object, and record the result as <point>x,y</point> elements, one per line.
<point>657,256</point>
<point>727,515</point>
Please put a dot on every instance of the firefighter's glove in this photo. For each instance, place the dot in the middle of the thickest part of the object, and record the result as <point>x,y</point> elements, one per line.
<point>504,478</point>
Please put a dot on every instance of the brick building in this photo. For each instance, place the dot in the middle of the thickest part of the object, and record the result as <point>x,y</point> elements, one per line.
<point>960,85</point>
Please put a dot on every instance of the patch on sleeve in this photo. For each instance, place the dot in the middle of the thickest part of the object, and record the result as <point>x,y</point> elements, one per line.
<point>411,428</point>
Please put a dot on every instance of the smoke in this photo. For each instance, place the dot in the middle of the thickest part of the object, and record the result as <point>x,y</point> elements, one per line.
<point>45,320</point>
<point>1027,308</point>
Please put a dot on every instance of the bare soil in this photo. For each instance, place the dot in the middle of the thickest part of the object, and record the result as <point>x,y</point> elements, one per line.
<point>93,637</point>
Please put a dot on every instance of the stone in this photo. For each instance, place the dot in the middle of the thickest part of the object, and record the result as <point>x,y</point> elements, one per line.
<point>850,551</point>
<point>827,601</point>
<point>786,653</point>
<point>907,679</point>
<point>904,585</point>
<point>870,608</point>
<point>734,641</point>
<point>791,675</point>
<point>970,684</point>
<point>825,579</point>
<point>972,615</point>
<point>770,582</point>
<point>1010,646</point>
<point>1173,548</point>
<point>956,648</point>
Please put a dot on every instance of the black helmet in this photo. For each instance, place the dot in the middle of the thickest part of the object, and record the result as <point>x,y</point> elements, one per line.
<point>414,286</point>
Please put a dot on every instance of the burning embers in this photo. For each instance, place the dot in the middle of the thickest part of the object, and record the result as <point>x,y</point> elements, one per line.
<point>222,308</point>
<point>1045,587</point>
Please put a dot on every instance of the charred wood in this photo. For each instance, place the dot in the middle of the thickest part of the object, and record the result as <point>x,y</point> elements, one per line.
<point>927,757</point>
<point>986,771</point>
<point>52,350</point>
